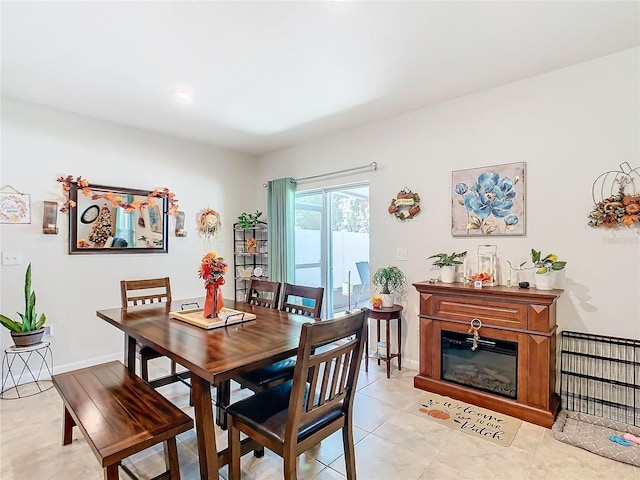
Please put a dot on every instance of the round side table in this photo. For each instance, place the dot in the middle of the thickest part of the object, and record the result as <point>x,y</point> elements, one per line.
<point>22,369</point>
<point>386,314</point>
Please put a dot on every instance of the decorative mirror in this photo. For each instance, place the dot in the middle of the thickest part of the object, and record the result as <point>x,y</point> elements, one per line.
<point>117,220</point>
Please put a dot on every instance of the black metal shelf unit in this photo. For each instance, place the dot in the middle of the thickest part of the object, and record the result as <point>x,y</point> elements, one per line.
<point>600,376</point>
<point>246,263</point>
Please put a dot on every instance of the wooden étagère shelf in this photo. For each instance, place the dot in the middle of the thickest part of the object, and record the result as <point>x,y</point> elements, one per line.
<point>523,316</point>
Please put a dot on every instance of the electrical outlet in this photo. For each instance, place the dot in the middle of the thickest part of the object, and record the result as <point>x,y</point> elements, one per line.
<point>401,254</point>
<point>47,331</point>
<point>11,258</point>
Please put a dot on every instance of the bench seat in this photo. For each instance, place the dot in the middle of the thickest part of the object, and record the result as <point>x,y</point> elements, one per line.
<point>119,415</point>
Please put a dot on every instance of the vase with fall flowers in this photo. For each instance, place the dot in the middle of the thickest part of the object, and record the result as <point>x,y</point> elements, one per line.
<point>251,244</point>
<point>212,270</point>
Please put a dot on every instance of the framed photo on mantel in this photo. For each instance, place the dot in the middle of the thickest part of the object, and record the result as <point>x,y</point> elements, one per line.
<point>488,201</point>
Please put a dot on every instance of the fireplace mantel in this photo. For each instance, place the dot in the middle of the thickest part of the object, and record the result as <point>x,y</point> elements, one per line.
<point>524,316</point>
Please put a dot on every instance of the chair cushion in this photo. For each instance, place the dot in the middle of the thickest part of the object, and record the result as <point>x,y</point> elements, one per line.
<point>276,371</point>
<point>267,412</point>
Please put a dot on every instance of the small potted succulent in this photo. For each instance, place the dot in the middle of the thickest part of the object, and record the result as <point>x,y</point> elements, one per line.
<point>29,331</point>
<point>448,265</point>
<point>390,280</point>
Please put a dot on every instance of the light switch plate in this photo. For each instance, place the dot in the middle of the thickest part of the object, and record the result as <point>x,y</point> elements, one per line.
<point>11,258</point>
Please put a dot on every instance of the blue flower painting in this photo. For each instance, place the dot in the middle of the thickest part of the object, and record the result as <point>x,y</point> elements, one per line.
<point>488,201</point>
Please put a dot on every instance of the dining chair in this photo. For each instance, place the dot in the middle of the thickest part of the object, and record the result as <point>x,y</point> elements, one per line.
<point>298,299</point>
<point>302,300</point>
<point>142,292</point>
<point>263,293</point>
<point>294,416</point>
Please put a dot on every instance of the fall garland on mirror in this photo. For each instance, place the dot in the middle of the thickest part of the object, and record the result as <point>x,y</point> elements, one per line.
<point>115,199</point>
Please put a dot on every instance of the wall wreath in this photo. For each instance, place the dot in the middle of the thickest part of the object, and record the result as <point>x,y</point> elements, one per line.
<point>406,205</point>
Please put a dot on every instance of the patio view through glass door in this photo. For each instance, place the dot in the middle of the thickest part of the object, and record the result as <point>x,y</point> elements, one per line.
<point>332,245</point>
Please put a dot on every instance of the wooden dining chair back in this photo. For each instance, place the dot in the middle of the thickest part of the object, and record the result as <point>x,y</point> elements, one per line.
<point>263,293</point>
<point>296,415</point>
<point>142,292</point>
<point>302,300</point>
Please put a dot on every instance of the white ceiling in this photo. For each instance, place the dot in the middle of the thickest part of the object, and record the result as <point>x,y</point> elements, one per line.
<point>266,75</point>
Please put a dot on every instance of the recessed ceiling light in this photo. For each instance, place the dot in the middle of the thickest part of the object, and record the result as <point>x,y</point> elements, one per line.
<point>182,94</point>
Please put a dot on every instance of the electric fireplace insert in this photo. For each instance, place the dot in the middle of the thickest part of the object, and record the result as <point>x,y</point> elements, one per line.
<point>491,367</point>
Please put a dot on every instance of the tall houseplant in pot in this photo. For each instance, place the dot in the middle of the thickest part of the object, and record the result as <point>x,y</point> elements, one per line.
<point>29,330</point>
<point>390,280</point>
<point>448,265</point>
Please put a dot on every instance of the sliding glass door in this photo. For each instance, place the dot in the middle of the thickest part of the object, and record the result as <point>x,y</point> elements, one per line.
<point>332,244</point>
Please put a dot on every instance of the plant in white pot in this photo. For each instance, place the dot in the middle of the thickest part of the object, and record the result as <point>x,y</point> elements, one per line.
<point>390,280</point>
<point>29,331</point>
<point>546,269</point>
<point>448,265</point>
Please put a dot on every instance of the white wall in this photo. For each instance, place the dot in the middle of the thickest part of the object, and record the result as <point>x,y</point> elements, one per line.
<point>569,126</point>
<point>39,145</point>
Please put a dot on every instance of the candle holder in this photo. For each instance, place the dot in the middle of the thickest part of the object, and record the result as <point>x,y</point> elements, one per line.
<point>50,218</point>
<point>486,261</point>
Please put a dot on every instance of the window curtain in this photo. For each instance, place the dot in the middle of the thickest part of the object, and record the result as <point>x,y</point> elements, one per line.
<point>281,195</point>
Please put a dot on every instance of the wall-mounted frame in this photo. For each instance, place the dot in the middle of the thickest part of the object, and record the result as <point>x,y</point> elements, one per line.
<point>15,207</point>
<point>488,201</point>
<point>99,226</point>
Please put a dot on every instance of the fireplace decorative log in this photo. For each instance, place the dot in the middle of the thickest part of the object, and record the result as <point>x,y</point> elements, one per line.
<point>526,317</point>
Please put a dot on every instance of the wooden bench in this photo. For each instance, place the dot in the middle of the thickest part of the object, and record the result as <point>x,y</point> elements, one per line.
<point>119,415</point>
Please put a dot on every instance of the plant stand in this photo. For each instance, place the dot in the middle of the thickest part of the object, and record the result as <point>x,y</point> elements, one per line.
<point>386,314</point>
<point>29,364</point>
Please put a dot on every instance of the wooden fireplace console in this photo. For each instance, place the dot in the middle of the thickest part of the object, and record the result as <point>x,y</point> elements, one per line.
<point>525,316</point>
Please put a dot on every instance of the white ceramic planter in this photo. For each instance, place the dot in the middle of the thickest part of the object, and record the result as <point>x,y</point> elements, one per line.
<point>448,274</point>
<point>387,299</point>
<point>546,281</point>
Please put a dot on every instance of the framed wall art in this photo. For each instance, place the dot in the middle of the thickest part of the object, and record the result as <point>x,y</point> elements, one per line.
<point>488,201</point>
<point>15,207</point>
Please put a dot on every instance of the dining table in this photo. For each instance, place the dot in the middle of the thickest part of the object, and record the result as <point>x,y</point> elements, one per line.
<point>212,356</point>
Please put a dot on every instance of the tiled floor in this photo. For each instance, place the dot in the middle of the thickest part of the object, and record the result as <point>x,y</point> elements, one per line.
<point>390,444</point>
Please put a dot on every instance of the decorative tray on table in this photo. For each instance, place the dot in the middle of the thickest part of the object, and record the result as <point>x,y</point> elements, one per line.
<point>226,317</point>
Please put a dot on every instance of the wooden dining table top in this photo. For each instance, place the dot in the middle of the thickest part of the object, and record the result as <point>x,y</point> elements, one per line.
<point>218,354</point>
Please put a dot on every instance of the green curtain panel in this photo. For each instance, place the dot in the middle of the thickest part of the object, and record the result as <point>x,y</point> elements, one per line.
<point>281,195</point>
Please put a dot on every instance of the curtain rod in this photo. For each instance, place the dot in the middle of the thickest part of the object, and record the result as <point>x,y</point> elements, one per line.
<point>372,165</point>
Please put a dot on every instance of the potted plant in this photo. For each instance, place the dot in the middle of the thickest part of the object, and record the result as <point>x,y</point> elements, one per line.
<point>248,220</point>
<point>448,265</point>
<point>390,279</point>
<point>546,269</point>
<point>29,331</point>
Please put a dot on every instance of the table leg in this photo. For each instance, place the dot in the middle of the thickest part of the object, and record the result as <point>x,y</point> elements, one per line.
<point>205,428</point>
<point>366,346</point>
<point>378,340</point>
<point>130,353</point>
<point>400,343</point>
<point>388,342</point>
